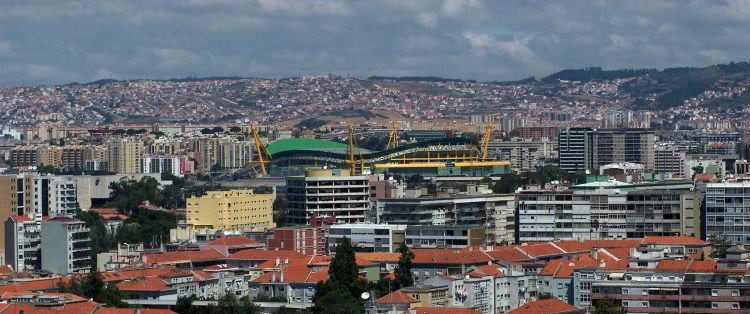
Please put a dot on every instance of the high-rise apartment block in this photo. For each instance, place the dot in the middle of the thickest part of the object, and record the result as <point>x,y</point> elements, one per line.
<point>124,155</point>
<point>321,193</point>
<point>624,145</point>
<point>728,210</point>
<point>65,246</point>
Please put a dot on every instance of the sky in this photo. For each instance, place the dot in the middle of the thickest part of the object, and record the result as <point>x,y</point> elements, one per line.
<point>53,42</point>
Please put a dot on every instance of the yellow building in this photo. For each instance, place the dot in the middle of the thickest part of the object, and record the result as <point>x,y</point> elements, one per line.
<point>234,210</point>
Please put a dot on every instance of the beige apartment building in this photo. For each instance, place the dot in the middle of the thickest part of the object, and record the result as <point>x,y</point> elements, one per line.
<point>124,155</point>
<point>234,210</point>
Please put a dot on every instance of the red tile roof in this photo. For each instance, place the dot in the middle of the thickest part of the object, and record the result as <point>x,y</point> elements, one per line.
<point>608,244</point>
<point>41,284</point>
<point>295,274</point>
<point>182,256</point>
<point>702,266</point>
<point>548,306</point>
<point>441,310</point>
<point>541,249</point>
<point>6,270</point>
<point>234,241</point>
<point>11,288</point>
<point>489,270</point>
<point>507,253</point>
<point>448,256</point>
<point>123,274</point>
<point>685,240</point>
<point>396,297</point>
<point>264,255</point>
<point>572,246</point>
<point>672,265</point>
<point>143,284</point>
<point>379,256</point>
<point>563,268</point>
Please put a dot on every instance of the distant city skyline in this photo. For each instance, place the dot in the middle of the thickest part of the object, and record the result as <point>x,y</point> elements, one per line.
<point>56,42</point>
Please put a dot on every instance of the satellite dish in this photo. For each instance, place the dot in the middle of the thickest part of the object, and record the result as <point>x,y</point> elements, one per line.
<point>365,295</point>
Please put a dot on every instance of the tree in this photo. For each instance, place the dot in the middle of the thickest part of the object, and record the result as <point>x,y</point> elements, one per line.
<point>206,131</point>
<point>340,294</point>
<point>338,300</point>
<point>235,129</point>
<point>719,243</point>
<point>218,129</point>
<point>508,183</point>
<point>414,181</point>
<point>185,305</point>
<point>216,168</point>
<point>404,275</point>
<point>92,286</point>
<point>343,268</point>
<point>608,306</point>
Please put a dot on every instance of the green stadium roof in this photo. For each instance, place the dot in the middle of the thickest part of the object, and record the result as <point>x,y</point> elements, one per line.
<point>303,144</point>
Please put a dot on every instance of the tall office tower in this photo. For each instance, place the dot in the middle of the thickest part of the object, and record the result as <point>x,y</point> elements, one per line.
<point>323,193</point>
<point>624,145</point>
<point>125,155</point>
<point>66,246</point>
<point>728,211</point>
<point>669,160</point>
<point>576,149</point>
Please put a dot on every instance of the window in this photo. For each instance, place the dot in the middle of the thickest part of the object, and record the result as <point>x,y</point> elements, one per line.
<point>714,292</point>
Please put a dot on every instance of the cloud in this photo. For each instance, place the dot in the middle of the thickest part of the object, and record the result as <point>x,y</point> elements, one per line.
<point>63,41</point>
<point>516,47</point>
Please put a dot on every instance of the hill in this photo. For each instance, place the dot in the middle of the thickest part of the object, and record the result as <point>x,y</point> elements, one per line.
<point>671,87</point>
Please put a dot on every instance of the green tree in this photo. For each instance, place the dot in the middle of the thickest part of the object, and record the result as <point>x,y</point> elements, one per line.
<point>185,305</point>
<point>92,286</point>
<point>404,275</point>
<point>340,294</point>
<point>508,183</point>
<point>218,129</point>
<point>127,194</point>
<point>216,168</point>
<point>608,306</point>
<point>719,245</point>
<point>343,268</point>
<point>235,129</point>
<point>101,240</point>
<point>337,300</point>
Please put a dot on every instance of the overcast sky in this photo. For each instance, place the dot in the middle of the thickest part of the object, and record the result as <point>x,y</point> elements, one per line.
<point>44,42</point>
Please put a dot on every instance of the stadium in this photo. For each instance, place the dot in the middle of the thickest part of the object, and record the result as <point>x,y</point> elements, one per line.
<point>453,156</point>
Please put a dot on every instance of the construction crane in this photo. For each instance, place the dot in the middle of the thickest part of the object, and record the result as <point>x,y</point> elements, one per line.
<point>353,161</point>
<point>485,143</point>
<point>393,139</point>
<point>262,150</point>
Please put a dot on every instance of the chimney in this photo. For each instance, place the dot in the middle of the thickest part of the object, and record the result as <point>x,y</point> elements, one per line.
<point>273,276</point>
<point>286,260</point>
<point>602,264</point>
<point>278,261</point>
<point>281,274</point>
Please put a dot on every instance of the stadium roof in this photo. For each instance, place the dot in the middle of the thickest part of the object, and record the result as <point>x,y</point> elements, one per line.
<point>303,144</point>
